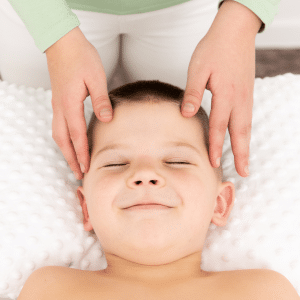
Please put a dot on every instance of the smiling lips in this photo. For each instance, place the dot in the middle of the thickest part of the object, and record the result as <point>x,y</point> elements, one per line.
<point>147,206</point>
<point>161,200</point>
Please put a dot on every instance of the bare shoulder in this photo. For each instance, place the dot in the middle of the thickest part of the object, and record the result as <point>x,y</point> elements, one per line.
<point>263,284</point>
<point>47,283</point>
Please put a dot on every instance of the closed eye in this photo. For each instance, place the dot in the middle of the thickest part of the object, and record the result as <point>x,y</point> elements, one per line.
<point>177,162</point>
<point>115,165</point>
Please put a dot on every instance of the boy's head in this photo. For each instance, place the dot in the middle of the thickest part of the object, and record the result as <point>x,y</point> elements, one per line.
<point>150,153</point>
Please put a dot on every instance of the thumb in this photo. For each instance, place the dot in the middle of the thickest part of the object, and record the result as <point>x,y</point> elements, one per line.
<point>193,95</point>
<point>100,100</point>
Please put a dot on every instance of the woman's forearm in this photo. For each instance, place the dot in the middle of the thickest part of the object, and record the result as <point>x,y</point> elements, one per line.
<point>236,19</point>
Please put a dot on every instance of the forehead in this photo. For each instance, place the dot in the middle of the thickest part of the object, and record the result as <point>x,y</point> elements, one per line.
<point>147,121</point>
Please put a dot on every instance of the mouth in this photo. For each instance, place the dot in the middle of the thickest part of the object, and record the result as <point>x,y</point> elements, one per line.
<point>147,206</point>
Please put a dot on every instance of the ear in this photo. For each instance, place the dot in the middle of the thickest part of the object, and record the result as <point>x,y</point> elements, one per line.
<point>224,203</point>
<point>86,219</point>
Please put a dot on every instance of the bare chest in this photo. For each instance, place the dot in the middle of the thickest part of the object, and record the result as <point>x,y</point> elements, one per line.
<point>177,293</point>
<point>193,290</point>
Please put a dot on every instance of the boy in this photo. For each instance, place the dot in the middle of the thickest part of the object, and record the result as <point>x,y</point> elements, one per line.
<point>150,196</point>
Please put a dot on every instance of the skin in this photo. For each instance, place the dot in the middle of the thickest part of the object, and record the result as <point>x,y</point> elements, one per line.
<point>152,247</point>
<point>223,62</point>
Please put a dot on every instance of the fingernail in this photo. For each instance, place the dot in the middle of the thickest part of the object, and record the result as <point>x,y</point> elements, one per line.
<point>106,112</point>
<point>247,170</point>
<point>218,161</point>
<point>188,107</point>
<point>82,168</point>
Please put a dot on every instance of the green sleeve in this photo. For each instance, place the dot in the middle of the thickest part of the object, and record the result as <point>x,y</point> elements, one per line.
<point>46,20</point>
<point>264,9</point>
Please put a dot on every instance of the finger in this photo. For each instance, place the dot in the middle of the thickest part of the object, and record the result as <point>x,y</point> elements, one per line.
<point>239,128</point>
<point>218,123</point>
<point>194,91</point>
<point>76,124</point>
<point>61,136</point>
<point>99,96</point>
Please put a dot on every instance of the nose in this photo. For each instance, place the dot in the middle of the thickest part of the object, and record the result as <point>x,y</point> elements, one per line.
<point>146,178</point>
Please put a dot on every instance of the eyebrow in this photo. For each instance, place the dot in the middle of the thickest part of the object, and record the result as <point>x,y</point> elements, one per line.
<point>170,144</point>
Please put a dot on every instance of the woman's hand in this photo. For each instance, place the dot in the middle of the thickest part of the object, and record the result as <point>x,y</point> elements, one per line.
<point>224,63</point>
<point>76,72</point>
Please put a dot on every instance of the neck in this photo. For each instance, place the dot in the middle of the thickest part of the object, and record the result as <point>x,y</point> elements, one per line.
<point>161,273</point>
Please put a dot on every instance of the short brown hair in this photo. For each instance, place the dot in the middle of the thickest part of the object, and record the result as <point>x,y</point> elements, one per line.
<point>151,91</point>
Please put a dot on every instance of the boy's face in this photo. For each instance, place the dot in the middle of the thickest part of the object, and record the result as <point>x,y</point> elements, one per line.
<point>144,167</point>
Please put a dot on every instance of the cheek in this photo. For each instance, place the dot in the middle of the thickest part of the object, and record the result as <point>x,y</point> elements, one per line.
<point>194,189</point>
<point>103,183</point>
<point>101,193</point>
<point>188,182</point>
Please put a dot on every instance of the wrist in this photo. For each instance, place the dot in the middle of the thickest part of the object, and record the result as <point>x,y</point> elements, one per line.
<point>237,18</point>
<point>75,33</point>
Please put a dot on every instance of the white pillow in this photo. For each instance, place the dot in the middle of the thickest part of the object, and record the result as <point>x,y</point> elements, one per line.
<point>41,218</point>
